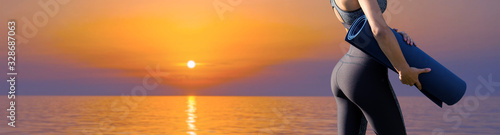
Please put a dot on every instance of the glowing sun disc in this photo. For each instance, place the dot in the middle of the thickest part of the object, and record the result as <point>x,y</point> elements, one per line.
<point>191,64</point>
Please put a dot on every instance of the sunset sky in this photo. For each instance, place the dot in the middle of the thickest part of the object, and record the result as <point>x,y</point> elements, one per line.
<point>258,47</point>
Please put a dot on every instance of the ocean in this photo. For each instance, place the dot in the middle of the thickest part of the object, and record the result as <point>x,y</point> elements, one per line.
<point>207,115</point>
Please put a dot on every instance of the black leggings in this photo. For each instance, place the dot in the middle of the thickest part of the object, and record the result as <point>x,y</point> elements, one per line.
<point>363,92</point>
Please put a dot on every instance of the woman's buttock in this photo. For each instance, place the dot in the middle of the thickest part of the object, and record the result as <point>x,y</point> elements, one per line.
<point>356,67</point>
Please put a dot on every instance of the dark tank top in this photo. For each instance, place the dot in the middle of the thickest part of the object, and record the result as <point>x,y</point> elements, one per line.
<point>350,16</point>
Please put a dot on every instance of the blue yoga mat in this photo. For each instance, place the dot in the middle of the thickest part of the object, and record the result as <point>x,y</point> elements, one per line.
<point>440,85</point>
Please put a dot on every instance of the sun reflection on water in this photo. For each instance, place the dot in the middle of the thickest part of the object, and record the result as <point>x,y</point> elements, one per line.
<point>191,112</point>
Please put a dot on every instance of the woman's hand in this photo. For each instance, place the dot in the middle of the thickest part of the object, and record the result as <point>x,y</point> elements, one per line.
<point>407,38</point>
<point>410,76</point>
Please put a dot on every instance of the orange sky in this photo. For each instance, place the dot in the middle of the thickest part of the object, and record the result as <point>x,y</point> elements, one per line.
<point>130,35</point>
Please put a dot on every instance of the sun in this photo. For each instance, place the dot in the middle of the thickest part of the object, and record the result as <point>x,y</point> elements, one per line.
<point>191,64</point>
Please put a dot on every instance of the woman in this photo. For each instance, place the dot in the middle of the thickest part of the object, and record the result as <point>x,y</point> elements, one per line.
<point>360,84</point>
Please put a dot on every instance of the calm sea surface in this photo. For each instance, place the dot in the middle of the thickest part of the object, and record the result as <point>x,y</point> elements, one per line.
<point>202,115</point>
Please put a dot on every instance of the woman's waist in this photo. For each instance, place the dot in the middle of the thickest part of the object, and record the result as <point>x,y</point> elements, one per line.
<point>356,56</point>
<point>353,51</point>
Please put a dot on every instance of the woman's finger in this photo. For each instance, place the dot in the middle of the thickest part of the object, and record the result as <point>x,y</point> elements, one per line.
<point>425,70</point>
<point>404,81</point>
<point>411,83</point>
<point>408,82</point>
<point>405,37</point>
<point>419,86</point>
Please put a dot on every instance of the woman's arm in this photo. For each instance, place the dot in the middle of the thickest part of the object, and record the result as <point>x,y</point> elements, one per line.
<point>388,43</point>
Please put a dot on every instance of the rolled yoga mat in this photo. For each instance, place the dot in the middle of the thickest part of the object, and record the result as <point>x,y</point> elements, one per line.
<point>440,85</point>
